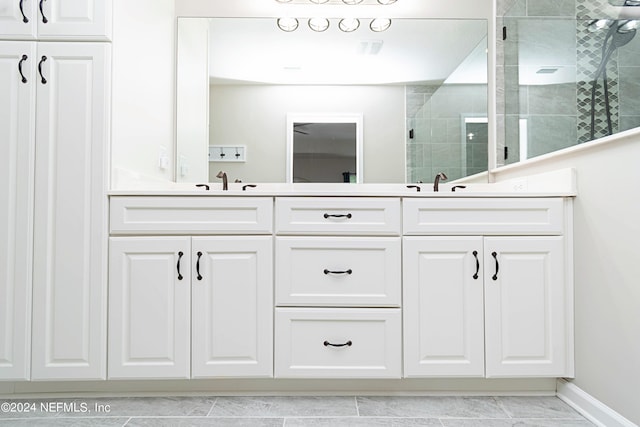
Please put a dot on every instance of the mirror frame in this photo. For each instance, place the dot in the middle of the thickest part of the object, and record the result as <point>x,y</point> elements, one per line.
<point>356,118</point>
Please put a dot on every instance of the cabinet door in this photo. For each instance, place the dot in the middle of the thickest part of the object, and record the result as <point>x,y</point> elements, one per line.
<point>149,299</point>
<point>75,19</point>
<point>18,19</point>
<point>17,139</point>
<point>443,307</point>
<point>70,221</point>
<point>232,307</point>
<point>527,315</point>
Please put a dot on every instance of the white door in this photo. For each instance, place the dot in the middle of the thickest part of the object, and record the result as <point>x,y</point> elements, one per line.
<point>74,19</point>
<point>149,299</point>
<point>232,307</point>
<point>443,307</point>
<point>17,139</point>
<point>18,19</point>
<point>70,226</point>
<point>525,297</point>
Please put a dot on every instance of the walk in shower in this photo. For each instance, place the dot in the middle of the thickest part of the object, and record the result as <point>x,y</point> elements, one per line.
<point>568,72</point>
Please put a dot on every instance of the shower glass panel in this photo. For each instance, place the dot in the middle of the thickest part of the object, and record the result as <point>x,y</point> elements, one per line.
<point>567,79</point>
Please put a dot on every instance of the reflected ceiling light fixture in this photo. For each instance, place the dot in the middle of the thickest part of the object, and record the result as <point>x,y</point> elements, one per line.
<point>319,24</point>
<point>319,1</point>
<point>386,2</point>
<point>349,25</point>
<point>283,1</point>
<point>351,1</point>
<point>288,24</point>
<point>380,24</point>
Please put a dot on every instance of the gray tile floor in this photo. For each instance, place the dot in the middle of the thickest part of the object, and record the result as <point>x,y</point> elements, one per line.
<point>293,411</point>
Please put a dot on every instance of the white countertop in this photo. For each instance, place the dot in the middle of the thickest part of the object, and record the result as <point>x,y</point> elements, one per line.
<point>555,184</point>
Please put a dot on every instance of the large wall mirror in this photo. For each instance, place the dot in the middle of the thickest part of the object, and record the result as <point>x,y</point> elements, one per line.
<point>414,86</point>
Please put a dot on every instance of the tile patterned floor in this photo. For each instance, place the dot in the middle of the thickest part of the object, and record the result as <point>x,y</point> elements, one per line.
<point>293,411</point>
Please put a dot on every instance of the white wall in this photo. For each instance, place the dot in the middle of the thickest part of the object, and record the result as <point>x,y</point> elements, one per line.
<point>255,116</point>
<point>607,268</point>
<point>143,86</point>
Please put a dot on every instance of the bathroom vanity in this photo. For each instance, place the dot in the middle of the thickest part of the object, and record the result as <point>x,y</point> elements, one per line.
<point>367,282</point>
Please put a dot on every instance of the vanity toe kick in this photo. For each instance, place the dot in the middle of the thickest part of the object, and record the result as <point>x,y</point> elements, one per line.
<point>338,343</point>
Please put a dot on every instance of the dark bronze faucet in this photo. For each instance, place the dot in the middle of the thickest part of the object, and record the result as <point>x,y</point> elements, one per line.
<point>436,182</point>
<point>225,183</point>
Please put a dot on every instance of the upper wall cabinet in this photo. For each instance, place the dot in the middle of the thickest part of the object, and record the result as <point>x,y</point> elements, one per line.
<point>56,19</point>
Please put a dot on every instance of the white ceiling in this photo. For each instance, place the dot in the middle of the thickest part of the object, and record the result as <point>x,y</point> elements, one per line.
<point>412,50</point>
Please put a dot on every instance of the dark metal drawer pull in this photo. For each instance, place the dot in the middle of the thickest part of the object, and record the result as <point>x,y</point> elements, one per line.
<point>338,216</point>
<point>199,277</point>
<point>24,58</point>
<point>349,271</point>
<point>180,254</point>
<point>24,17</point>
<point>44,18</point>
<point>495,256</point>
<point>475,254</point>
<point>42,60</point>
<point>347,344</point>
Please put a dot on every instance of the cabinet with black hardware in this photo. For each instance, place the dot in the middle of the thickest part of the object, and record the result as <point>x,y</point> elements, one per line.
<point>492,294</point>
<point>338,287</point>
<point>190,300</point>
<point>55,130</point>
<point>56,19</point>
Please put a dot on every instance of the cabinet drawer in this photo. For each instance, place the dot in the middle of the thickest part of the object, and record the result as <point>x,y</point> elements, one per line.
<point>191,215</point>
<point>338,215</point>
<point>338,343</point>
<point>338,271</point>
<point>483,216</point>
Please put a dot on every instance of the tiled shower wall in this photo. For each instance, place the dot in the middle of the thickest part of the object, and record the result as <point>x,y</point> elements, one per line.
<point>545,71</point>
<point>437,140</point>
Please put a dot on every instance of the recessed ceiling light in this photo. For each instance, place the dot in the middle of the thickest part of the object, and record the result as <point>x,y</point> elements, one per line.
<point>288,24</point>
<point>349,25</point>
<point>318,1</point>
<point>283,1</point>
<point>351,1</point>
<point>380,24</point>
<point>319,24</point>
<point>385,2</point>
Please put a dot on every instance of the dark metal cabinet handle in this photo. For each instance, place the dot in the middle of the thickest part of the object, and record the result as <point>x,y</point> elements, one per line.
<point>349,271</point>
<point>199,277</point>
<point>42,61</point>
<point>347,344</point>
<point>348,216</point>
<point>495,256</point>
<point>475,276</point>
<point>180,254</point>
<point>44,18</point>
<point>24,17</point>
<point>24,58</point>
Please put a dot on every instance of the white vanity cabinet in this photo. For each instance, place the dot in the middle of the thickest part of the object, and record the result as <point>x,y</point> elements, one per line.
<point>496,302</point>
<point>17,145</point>
<point>56,19</point>
<point>55,119</point>
<point>338,287</point>
<point>189,305</point>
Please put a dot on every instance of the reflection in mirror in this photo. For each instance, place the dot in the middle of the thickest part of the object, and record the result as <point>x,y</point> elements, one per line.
<point>568,79</point>
<point>238,78</point>
<point>326,148</point>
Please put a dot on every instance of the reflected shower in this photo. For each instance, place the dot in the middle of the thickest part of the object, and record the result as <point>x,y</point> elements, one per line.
<point>619,33</point>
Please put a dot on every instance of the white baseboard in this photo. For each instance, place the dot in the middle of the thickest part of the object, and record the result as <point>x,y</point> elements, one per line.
<point>590,407</point>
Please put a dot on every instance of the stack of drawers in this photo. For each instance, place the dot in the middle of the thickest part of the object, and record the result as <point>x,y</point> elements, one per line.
<point>338,287</point>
